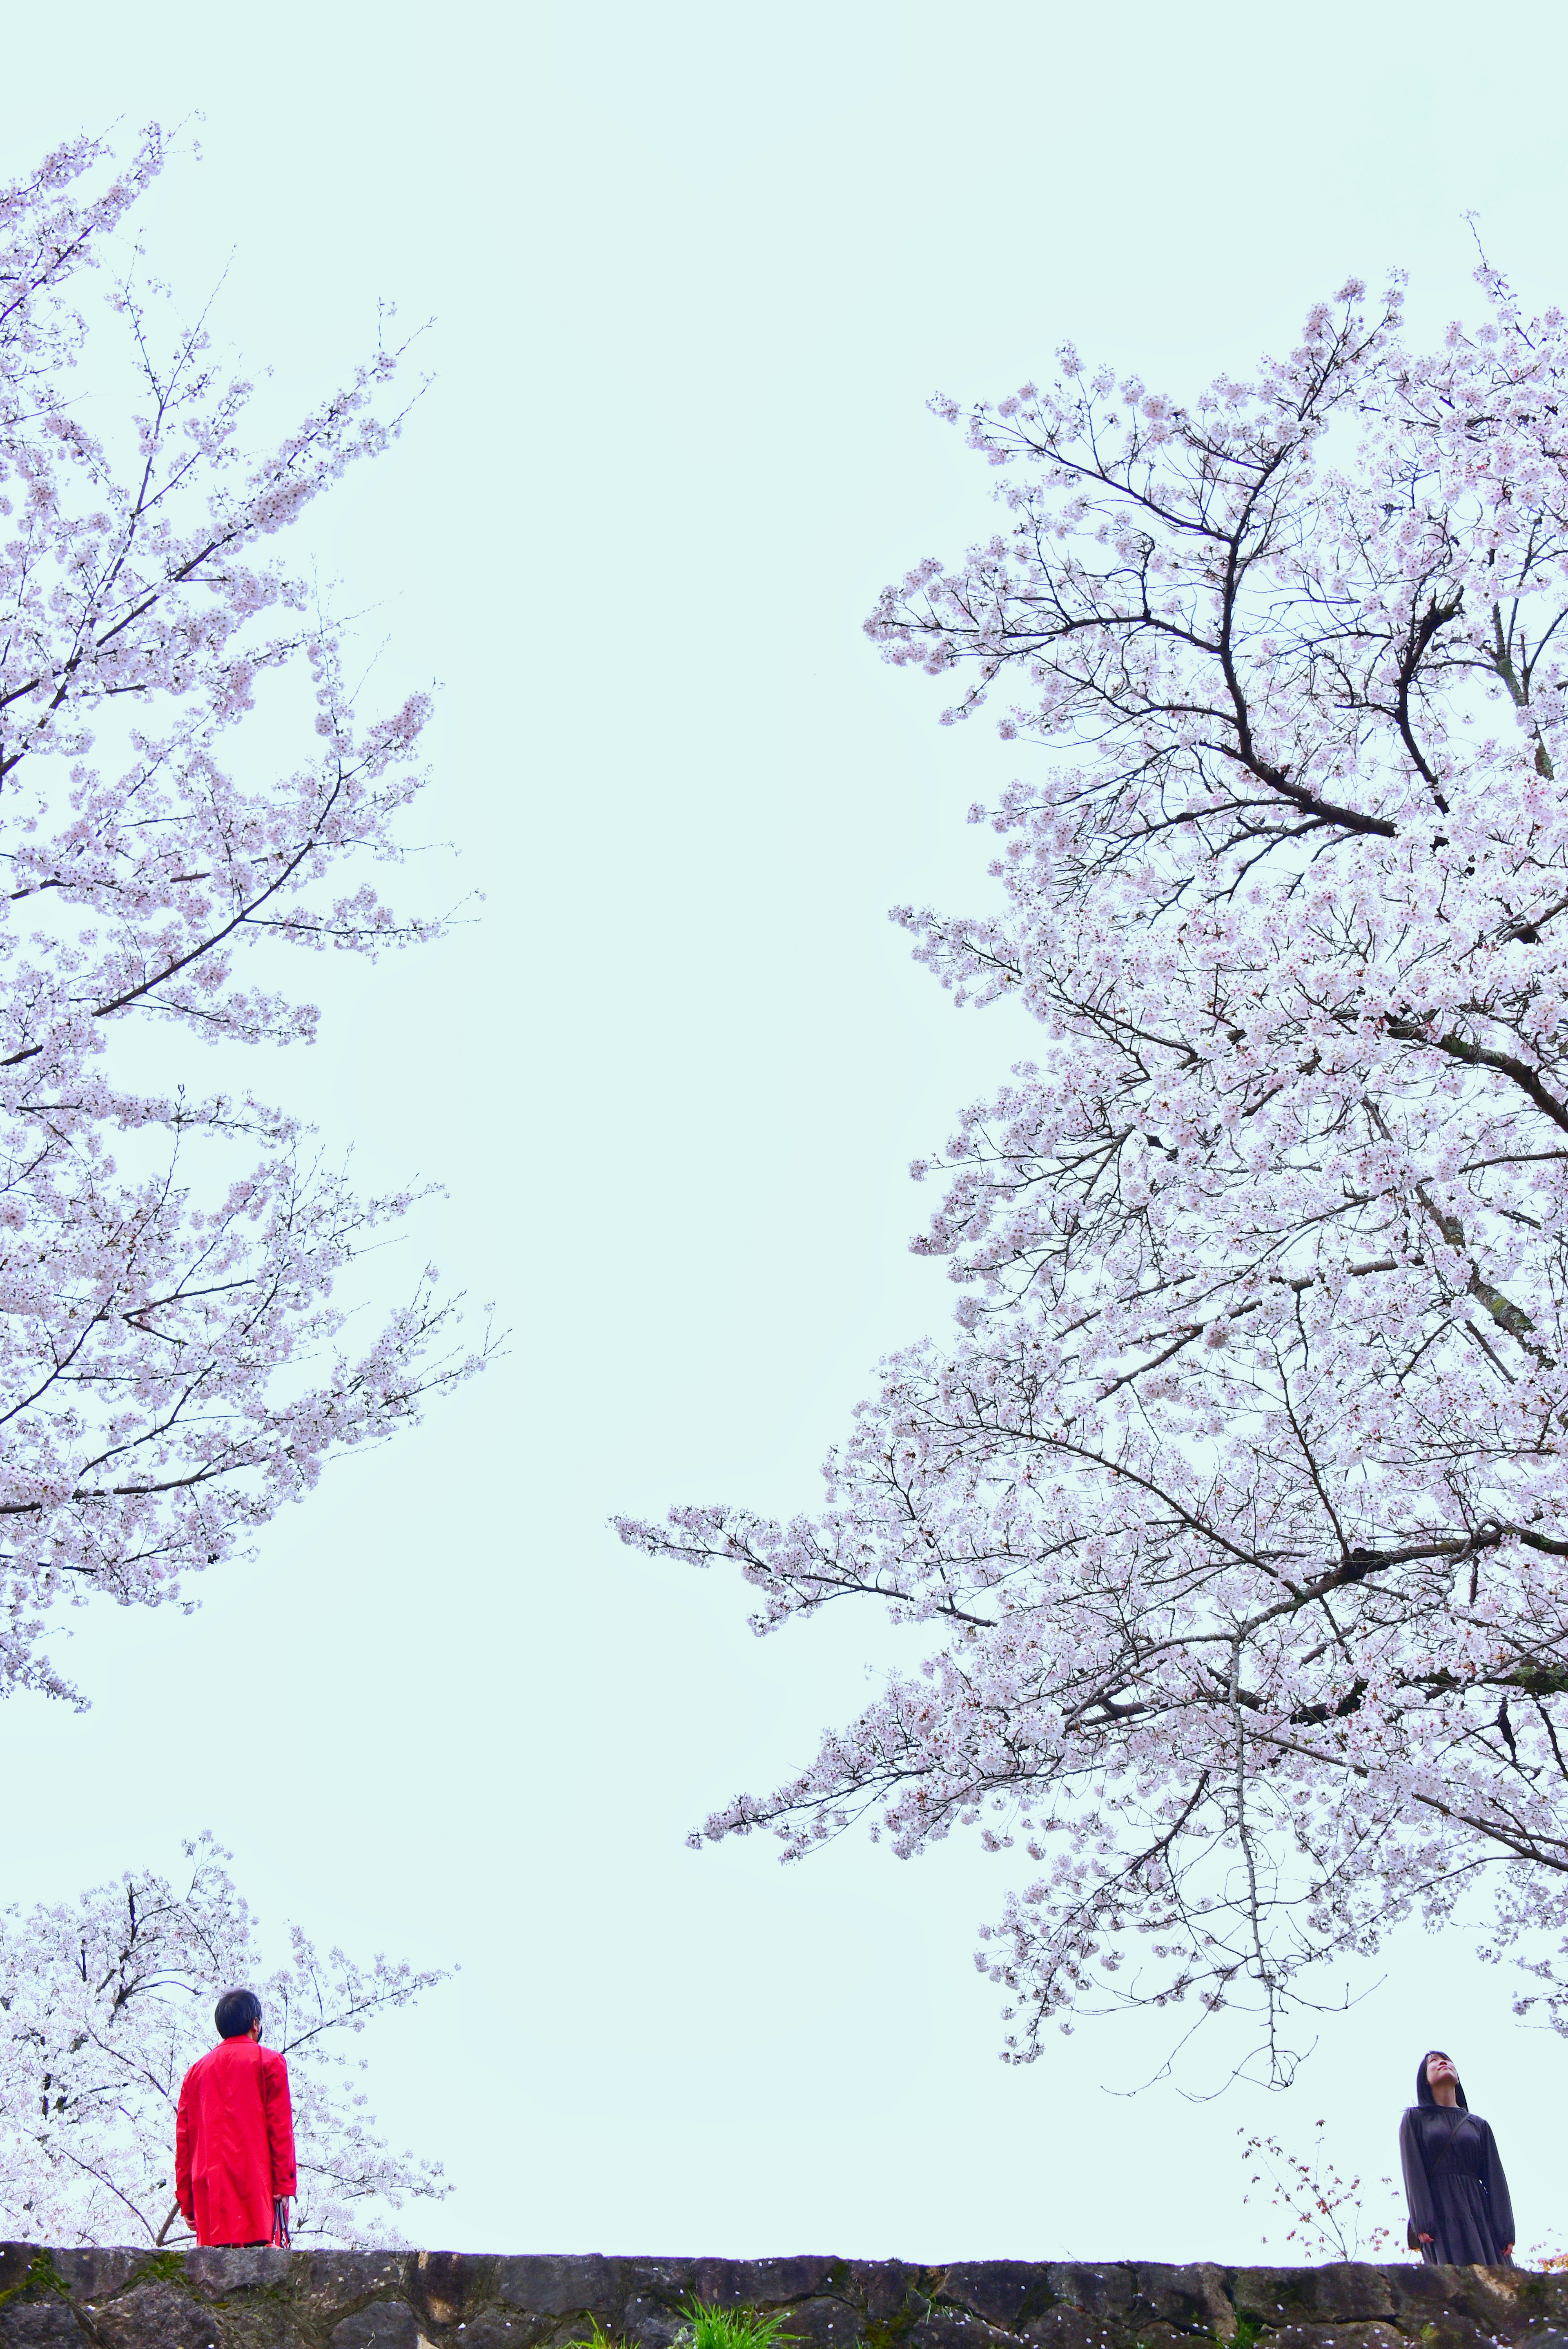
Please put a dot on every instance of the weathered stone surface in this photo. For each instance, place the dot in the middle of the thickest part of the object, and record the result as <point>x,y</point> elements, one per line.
<point>562,2287</point>
<point>444,2285</point>
<point>1072,2328</point>
<point>1104,2291</point>
<point>16,2264</point>
<point>1453,2308</point>
<point>158,2316</point>
<point>241,2268</point>
<point>955,2328</point>
<point>496,2328</point>
<point>92,2274</point>
<point>1544,2297</point>
<point>824,2323</point>
<point>385,2325</point>
<point>1348,2293</point>
<point>515,2328</point>
<point>324,2284</point>
<point>1156,2335</point>
<point>1450,2330</point>
<point>1005,2292</point>
<point>1336,2336</point>
<point>261,2298</point>
<point>759,2283</point>
<point>40,2324</point>
<point>889,2291</point>
<point>1194,2299</point>
<point>651,2320</point>
<point>1420,2294</point>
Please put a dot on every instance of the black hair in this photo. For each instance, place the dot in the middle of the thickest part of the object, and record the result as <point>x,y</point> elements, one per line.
<point>235,2012</point>
<point>1424,2087</point>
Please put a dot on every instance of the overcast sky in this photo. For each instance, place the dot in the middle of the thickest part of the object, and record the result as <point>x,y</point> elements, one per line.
<point>695,270</point>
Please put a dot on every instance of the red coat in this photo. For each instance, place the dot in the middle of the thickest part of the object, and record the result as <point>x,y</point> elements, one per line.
<point>234,2143</point>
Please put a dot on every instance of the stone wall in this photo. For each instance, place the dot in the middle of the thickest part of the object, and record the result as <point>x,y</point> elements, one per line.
<point>459,2300</point>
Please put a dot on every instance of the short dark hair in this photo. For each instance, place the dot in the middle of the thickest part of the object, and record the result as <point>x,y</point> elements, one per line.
<point>235,2012</point>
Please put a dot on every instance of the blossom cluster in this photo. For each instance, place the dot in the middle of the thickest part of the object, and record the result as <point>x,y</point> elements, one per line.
<point>1234,1502</point>
<point>189,789</point>
<point>103,2005</point>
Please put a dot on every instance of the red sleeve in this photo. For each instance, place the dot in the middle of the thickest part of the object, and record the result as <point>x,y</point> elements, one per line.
<point>279,2122</point>
<point>183,2132</point>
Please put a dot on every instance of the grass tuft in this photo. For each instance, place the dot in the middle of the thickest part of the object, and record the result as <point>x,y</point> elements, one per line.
<point>731,2328</point>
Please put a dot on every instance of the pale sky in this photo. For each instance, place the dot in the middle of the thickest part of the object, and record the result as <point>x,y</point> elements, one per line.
<point>695,270</point>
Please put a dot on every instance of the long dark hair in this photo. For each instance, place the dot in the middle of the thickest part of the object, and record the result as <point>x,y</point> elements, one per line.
<point>1423,2086</point>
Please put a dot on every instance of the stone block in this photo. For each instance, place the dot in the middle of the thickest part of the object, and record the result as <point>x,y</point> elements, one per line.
<point>93,2274</point>
<point>824,2322</point>
<point>521,2329</point>
<point>1143,2333</point>
<point>1485,2297</point>
<point>760,2283</point>
<point>1417,2289</point>
<point>954,2328</point>
<point>325,2285</point>
<point>1373,2335</point>
<point>1072,2328</point>
<point>498,2328</point>
<point>34,2268</point>
<point>158,2316</point>
<point>385,2325</point>
<point>1543,2299</point>
<point>887,2289</point>
<point>1099,2291</point>
<point>219,2269</point>
<point>443,2286</point>
<point>40,2324</point>
<point>652,2320</point>
<point>1450,2330</point>
<point>1500,2300</point>
<point>1190,2299</point>
<point>1006,2292</point>
<point>1345,2292</point>
<point>543,2286</point>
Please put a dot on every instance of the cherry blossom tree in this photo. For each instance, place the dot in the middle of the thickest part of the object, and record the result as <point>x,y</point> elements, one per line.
<point>1232,1512</point>
<point>192,787</point>
<point>1329,2217</point>
<point>103,2006</point>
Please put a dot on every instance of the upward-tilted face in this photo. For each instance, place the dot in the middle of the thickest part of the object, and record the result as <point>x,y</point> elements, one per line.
<point>1439,2067</point>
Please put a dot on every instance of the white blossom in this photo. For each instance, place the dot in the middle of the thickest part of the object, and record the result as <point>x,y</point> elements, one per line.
<point>103,2006</point>
<point>190,791</point>
<point>1234,1504</point>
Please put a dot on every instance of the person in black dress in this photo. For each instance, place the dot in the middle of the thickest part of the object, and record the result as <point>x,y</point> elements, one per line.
<point>1460,2209</point>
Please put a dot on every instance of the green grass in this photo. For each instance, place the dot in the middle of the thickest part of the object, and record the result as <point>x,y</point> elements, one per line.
<point>713,2328</point>
<point>731,2328</point>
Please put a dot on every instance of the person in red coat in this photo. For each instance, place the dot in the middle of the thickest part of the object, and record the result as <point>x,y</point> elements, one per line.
<point>233,2136</point>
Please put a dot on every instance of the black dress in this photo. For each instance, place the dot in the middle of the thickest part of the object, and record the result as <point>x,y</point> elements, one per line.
<point>1455,2186</point>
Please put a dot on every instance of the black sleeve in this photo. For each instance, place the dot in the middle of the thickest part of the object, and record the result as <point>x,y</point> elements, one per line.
<point>1417,2193</point>
<point>1497,2187</point>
